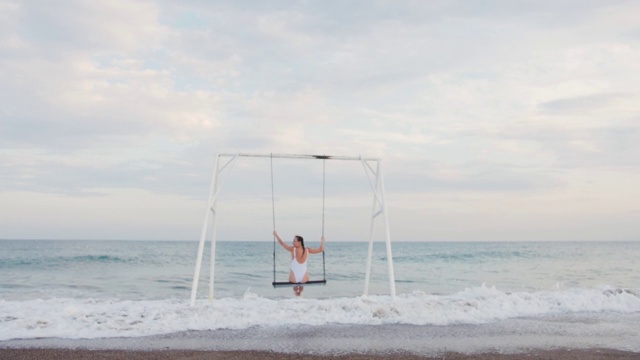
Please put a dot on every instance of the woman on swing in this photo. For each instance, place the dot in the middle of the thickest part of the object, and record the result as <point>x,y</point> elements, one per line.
<point>299,254</point>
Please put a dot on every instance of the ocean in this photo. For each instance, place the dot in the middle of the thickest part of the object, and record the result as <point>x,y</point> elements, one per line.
<point>83,293</point>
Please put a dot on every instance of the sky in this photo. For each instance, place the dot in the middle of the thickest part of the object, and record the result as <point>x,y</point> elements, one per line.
<point>495,120</point>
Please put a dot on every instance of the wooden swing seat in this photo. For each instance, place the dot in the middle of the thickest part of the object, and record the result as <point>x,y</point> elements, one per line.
<point>277,284</point>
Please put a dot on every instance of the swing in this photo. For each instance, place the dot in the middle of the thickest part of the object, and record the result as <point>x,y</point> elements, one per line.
<point>278,284</point>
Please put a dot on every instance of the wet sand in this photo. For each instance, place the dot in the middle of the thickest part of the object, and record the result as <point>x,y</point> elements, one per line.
<point>513,339</point>
<point>82,354</point>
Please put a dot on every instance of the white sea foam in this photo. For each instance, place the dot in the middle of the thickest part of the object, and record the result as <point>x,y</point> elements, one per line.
<point>100,318</point>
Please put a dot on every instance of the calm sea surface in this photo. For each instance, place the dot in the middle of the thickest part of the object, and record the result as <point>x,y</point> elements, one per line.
<point>164,270</point>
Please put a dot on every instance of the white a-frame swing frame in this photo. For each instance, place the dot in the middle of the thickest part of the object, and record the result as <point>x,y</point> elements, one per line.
<point>373,170</point>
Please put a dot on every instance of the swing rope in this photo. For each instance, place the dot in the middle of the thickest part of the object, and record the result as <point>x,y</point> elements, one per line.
<point>273,212</point>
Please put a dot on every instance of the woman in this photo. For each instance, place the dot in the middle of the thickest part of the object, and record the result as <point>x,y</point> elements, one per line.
<point>299,254</point>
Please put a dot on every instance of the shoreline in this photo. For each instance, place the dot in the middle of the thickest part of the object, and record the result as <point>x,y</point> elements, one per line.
<point>538,338</point>
<point>170,354</point>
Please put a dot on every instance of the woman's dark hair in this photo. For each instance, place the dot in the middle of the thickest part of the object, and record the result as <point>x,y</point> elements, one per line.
<point>301,242</point>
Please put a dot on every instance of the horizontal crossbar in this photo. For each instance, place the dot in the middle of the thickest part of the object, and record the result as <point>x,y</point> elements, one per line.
<point>277,284</point>
<point>303,156</point>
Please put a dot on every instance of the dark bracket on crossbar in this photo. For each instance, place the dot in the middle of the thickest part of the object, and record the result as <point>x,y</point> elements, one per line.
<point>277,284</point>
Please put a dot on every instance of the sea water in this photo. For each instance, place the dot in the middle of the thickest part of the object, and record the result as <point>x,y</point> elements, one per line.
<point>132,289</point>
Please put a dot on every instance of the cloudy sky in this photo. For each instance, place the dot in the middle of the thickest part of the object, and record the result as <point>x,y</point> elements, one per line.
<point>496,120</point>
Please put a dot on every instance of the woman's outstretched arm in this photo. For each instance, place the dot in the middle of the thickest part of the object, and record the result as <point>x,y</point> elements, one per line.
<point>284,245</point>
<point>319,249</point>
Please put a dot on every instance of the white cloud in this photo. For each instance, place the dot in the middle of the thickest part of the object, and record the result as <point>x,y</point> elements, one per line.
<point>509,103</point>
<point>105,27</point>
<point>86,77</point>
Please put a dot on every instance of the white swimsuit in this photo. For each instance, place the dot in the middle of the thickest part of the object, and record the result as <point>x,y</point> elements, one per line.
<point>299,270</point>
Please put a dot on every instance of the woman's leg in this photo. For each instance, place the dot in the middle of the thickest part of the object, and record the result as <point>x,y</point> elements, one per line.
<point>292,279</point>
<point>305,279</point>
